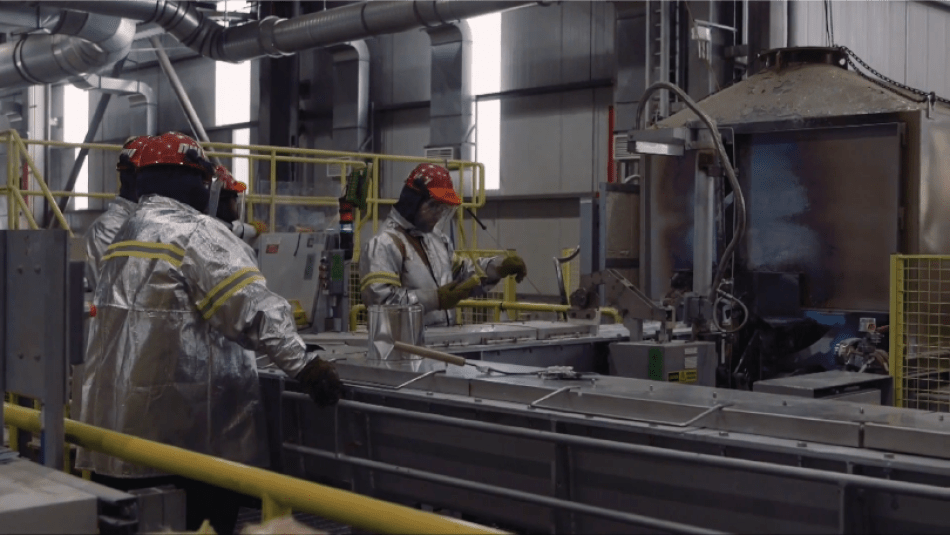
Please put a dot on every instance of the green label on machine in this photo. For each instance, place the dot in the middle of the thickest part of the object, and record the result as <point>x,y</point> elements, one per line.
<point>336,268</point>
<point>655,364</point>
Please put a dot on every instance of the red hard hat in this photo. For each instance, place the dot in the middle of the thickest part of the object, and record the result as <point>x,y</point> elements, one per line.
<point>173,148</point>
<point>131,151</point>
<point>229,183</point>
<point>437,180</point>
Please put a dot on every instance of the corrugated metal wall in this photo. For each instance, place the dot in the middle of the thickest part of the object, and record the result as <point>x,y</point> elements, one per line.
<point>554,145</point>
<point>905,41</point>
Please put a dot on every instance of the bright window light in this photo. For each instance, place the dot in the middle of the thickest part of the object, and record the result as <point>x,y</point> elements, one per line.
<point>75,125</point>
<point>486,79</point>
<point>486,53</point>
<point>240,170</point>
<point>488,140</point>
<point>232,93</point>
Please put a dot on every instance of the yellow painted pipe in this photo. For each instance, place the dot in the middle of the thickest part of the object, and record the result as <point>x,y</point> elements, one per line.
<point>69,194</point>
<point>354,312</point>
<point>337,505</point>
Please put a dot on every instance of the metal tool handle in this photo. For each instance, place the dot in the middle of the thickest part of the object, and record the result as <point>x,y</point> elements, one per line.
<point>430,353</point>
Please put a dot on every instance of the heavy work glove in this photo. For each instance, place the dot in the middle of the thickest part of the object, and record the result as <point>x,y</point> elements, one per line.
<point>450,294</point>
<point>513,265</point>
<point>321,382</point>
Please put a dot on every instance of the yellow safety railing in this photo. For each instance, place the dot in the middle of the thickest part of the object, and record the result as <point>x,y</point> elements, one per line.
<point>471,178</point>
<point>919,356</point>
<point>279,493</point>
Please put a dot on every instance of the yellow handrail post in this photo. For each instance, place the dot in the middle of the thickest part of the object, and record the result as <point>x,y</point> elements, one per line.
<point>273,191</point>
<point>14,430</point>
<point>12,209</point>
<point>271,509</point>
<point>376,197</point>
<point>46,192</point>
<point>896,349</point>
<point>250,181</point>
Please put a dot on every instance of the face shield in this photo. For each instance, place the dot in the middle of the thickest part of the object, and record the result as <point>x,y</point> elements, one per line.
<point>432,214</point>
<point>226,196</point>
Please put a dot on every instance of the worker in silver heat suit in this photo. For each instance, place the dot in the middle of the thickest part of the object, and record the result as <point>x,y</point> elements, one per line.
<point>411,261</point>
<point>180,300</point>
<point>103,229</point>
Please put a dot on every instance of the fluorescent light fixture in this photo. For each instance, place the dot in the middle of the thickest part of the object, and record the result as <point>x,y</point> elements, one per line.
<point>75,125</point>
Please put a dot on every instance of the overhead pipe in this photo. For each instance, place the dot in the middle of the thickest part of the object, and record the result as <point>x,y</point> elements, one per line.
<point>18,16</point>
<point>450,107</point>
<point>350,95</point>
<point>81,43</point>
<point>140,94</point>
<point>275,37</point>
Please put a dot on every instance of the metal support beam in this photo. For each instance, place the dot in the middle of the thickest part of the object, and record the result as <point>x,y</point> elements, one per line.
<point>182,95</point>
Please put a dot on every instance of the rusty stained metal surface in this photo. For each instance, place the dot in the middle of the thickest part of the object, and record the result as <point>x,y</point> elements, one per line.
<point>821,202</point>
<point>934,207</point>
<point>825,203</point>
<point>670,184</point>
<point>796,92</point>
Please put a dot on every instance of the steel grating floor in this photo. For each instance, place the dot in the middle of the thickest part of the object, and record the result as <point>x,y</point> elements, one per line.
<point>247,516</point>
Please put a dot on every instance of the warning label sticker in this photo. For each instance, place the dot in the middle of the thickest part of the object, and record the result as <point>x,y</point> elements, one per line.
<point>683,376</point>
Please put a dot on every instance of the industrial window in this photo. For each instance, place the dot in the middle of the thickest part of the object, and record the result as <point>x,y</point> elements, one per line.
<point>486,79</point>
<point>232,101</point>
<point>75,124</point>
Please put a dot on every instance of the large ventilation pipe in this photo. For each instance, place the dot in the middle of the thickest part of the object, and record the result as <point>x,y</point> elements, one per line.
<point>350,95</point>
<point>16,16</point>
<point>276,37</point>
<point>139,93</point>
<point>450,108</point>
<point>81,43</point>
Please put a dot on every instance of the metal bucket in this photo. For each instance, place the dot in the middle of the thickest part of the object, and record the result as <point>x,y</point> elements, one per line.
<point>394,323</point>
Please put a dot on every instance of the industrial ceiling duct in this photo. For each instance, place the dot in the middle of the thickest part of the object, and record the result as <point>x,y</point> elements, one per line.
<point>80,43</point>
<point>273,36</point>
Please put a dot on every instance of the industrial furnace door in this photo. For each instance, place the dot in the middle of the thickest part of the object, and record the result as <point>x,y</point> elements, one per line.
<point>825,203</point>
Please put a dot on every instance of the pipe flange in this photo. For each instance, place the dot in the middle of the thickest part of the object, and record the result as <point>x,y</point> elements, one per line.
<point>18,61</point>
<point>267,37</point>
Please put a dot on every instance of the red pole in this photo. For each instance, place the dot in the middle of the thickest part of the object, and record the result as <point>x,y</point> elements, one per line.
<point>610,145</point>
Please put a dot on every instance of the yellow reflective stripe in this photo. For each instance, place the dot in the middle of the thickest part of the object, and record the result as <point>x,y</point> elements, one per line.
<point>160,246</point>
<point>385,277</point>
<point>380,280</point>
<point>221,285</point>
<point>237,287</point>
<point>140,254</point>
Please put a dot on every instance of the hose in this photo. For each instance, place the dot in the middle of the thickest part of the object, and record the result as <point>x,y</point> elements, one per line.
<point>730,171</point>
<point>724,296</point>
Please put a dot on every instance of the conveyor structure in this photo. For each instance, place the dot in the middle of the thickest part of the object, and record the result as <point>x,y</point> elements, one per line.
<point>609,454</point>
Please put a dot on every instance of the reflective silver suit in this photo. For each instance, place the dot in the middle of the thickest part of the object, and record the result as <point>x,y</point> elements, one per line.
<point>178,297</point>
<point>393,272</point>
<point>100,235</point>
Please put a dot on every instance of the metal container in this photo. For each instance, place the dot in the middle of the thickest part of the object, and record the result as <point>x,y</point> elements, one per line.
<point>394,323</point>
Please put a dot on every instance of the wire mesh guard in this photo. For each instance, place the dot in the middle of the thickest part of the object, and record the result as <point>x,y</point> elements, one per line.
<point>920,331</point>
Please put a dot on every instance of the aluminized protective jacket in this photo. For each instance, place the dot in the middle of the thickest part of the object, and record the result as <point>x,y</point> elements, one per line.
<point>100,235</point>
<point>393,272</point>
<point>178,297</point>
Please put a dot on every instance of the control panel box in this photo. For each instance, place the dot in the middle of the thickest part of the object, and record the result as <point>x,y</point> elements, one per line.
<point>673,362</point>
